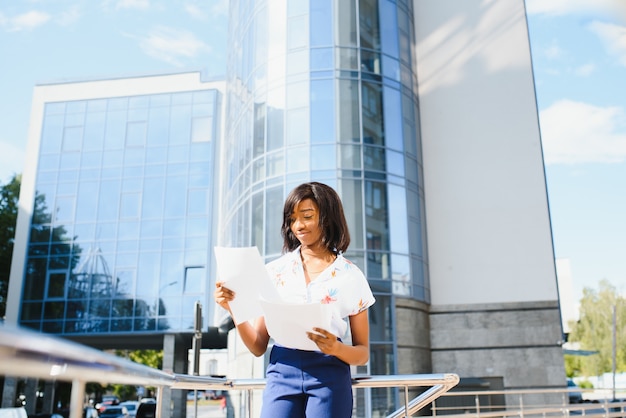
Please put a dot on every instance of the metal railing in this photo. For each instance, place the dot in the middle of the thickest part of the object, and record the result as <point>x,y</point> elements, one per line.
<point>28,354</point>
<point>525,403</point>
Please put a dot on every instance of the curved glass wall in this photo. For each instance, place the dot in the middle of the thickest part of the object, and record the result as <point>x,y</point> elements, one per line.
<point>324,90</point>
<point>119,238</point>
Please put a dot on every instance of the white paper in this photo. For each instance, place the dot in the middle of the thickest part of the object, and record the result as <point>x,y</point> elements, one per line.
<point>288,323</point>
<point>241,269</point>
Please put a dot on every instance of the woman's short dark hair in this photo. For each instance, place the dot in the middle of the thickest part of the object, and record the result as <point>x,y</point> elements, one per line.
<point>332,221</point>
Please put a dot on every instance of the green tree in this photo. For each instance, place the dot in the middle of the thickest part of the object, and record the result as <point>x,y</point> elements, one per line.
<point>9,195</point>
<point>151,358</point>
<point>594,329</point>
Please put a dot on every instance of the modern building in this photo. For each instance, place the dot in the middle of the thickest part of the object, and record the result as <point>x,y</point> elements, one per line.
<point>117,212</point>
<point>421,114</point>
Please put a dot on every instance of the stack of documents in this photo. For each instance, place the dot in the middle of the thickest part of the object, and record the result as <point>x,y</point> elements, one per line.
<point>242,270</point>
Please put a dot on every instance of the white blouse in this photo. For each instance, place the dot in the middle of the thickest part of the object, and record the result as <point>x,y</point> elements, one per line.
<point>342,285</point>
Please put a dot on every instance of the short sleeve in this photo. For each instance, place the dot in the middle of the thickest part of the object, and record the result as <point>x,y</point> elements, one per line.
<point>357,292</point>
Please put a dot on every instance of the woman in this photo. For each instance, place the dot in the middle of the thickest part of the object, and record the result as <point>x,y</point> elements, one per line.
<point>314,384</point>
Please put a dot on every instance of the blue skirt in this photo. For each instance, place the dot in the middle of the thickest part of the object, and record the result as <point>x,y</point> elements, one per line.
<point>306,384</point>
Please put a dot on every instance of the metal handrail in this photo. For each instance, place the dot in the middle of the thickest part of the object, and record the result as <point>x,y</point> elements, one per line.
<point>25,353</point>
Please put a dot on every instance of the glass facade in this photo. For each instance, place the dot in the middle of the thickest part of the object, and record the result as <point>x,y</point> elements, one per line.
<point>122,220</point>
<point>325,90</point>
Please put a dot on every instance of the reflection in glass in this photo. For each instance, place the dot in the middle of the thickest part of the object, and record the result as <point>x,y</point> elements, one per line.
<point>322,111</point>
<point>114,190</point>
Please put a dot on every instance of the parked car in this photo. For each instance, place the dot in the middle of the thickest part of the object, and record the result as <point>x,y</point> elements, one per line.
<point>131,407</point>
<point>146,410</point>
<point>575,396</point>
<point>116,411</point>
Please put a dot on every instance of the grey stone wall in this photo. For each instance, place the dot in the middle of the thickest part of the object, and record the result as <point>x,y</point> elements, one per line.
<point>517,342</point>
<point>413,337</point>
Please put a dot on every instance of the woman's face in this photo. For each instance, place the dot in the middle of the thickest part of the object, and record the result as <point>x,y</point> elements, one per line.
<point>305,223</point>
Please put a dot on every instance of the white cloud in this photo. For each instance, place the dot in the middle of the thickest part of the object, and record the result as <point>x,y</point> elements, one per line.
<point>25,21</point>
<point>220,8</point>
<point>607,8</point>
<point>133,4</point>
<point>203,10</point>
<point>195,11</point>
<point>585,70</point>
<point>68,17</point>
<point>553,51</point>
<point>613,36</point>
<point>170,45</point>
<point>576,133</point>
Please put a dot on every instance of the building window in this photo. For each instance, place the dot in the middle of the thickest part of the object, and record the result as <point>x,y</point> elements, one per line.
<point>56,281</point>
<point>194,278</point>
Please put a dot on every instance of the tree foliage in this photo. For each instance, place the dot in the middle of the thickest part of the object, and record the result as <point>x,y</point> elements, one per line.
<point>594,330</point>
<point>9,195</point>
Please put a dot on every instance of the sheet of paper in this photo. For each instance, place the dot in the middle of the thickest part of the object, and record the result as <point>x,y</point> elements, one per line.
<point>288,323</point>
<point>243,271</point>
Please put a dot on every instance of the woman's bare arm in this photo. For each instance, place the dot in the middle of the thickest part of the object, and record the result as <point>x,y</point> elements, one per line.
<point>253,334</point>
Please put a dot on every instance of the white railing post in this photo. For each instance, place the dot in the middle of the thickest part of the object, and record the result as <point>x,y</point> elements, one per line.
<point>77,399</point>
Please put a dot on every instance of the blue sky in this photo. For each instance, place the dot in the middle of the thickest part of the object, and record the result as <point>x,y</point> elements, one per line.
<point>579,58</point>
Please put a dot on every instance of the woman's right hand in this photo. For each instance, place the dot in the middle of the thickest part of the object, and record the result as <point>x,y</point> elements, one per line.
<point>223,295</point>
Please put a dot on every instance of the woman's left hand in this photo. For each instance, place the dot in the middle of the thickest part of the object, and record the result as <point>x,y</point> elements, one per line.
<point>327,342</point>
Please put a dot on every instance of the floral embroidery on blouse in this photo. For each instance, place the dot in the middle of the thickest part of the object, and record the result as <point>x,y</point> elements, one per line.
<point>330,297</point>
<point>361,305</point>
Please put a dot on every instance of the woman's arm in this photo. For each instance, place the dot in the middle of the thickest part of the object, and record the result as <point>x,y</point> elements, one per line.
<point>356,354</point>
<point>253,334</point>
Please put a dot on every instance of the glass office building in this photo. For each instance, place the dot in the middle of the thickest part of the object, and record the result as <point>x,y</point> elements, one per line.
<point>122,220</point>
<point>134,180</point>
<point>325,90</point>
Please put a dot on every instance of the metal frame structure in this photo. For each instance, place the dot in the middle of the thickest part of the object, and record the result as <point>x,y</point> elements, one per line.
<point>28,354</point>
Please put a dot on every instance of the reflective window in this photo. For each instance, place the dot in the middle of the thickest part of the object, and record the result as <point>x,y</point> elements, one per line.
<point>373,132</point>
<point>72,138</point>
<point>348,114</point>
<point>395,163</point>
<point>259,129</point>
<point>298,126</point>
<point>130,205</point>
<point>368,24</point>
<point>323,157</point>
<point>350,157</point>
<point>389,27</point>
<point>64,209</point>
<point>180,124</point>
<point>275,130</point>
<point>158,126</point>
<point>194,279</point>
<point>274,221</point>
<point>56,284</point>
<point>321,59</point>
<point>108,245</point>
<point>321,33</point>
<point>115,131</point>
<point>352,198</point>
<point>197,202</point>
<point>298,159</point>
<point>401,275</point>
<point>345,28</point>
<point>393,119</point>
<point>374,158</point>
<point>298,62</point>
<point>202,129</point>
<point>322,111</point>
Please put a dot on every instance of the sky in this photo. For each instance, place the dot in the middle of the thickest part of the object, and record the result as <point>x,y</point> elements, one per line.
<point>578,51</point>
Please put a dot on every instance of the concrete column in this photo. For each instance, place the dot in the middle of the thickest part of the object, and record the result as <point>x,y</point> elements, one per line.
<point>9,392</point>
<point>175,360</point>
<point>30,391</point>
<point>48,397</point>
